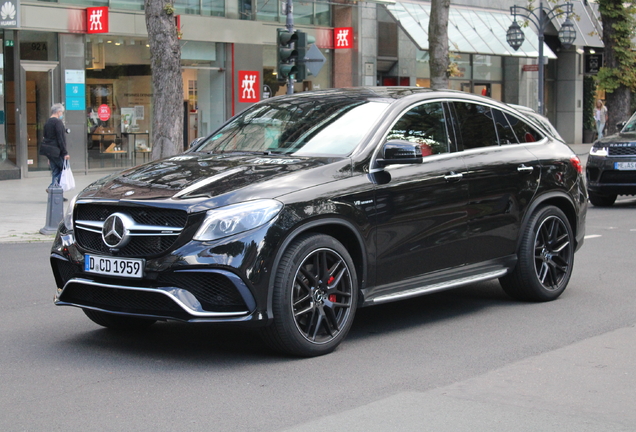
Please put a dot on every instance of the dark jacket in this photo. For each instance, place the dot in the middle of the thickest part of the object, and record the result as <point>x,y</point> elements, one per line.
<point>54,139</point>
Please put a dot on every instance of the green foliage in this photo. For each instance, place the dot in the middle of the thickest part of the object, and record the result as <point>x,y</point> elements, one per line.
<point>169,9</point>
<point>589,98</point>
<point>619,70</point>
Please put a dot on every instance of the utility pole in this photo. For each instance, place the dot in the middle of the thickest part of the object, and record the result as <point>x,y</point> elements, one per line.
<point>289,25</point>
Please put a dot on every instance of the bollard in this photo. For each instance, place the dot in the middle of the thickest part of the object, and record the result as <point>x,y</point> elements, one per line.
<point>54,210</point>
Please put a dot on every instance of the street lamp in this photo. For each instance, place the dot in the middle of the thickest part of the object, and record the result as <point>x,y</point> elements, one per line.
<point>541,17</point>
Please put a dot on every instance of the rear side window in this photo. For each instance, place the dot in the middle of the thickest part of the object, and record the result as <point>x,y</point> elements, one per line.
<point>425,125</point>
<point>504,130</point>
<point>524,132</point>
<point>476,125</point>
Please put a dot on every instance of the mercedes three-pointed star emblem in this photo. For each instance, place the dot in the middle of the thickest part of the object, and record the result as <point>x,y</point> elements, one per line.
<point>116,229</point>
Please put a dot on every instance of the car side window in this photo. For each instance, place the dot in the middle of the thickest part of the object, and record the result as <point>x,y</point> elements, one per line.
<point>476,125</point>
<point>504,130</point>
<point>424,124</point>
<point>524,132</point>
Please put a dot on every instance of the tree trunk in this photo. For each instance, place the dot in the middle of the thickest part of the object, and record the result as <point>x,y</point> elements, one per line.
<point>618,108</point>
<point>438,43</point>
<point>167,84</point>
<point>617,101</point>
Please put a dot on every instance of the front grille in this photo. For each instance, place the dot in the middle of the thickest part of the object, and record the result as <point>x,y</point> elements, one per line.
<point>621,151</point>
<point>138,246</point>
<point>141,215</point>
<point>215,292</point>
<point>121,300</point>
<point>615,176</point>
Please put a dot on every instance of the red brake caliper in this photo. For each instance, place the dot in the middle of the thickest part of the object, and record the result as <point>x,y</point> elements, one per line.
<point>332,297</point>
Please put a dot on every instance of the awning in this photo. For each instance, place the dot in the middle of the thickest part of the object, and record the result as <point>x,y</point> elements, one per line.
<point>470,31</point>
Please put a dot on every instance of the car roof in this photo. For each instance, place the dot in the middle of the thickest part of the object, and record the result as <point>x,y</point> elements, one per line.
<point>386,94</point>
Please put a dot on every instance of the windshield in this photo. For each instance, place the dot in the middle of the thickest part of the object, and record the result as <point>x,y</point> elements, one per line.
<point>630,126</point>
<point>299,126</point>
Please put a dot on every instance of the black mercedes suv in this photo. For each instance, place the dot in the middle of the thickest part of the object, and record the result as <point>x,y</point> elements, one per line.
<point>304,208</point>
<point>611,166</point>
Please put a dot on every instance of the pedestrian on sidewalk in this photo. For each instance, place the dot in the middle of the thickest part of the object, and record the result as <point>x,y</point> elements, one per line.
<point>600,117</point>
<point>53,144</point>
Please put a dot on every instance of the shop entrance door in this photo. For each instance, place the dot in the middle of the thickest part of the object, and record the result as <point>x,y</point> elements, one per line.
<point>38,92</point>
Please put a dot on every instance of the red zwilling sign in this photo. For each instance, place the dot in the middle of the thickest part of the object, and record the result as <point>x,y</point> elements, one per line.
<point>250,82</point>
<point>97,19</point>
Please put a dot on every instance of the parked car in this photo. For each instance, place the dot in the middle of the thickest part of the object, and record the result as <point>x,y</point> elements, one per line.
<point>304,208</point>
<point>611,166</point>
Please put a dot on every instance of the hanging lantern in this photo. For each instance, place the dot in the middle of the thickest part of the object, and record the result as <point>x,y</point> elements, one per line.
<point>515,36</point>
<point>567,34</point>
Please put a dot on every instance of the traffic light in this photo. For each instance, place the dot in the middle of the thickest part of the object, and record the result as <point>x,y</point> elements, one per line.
<point>286,54</point>
<point>302,46</point>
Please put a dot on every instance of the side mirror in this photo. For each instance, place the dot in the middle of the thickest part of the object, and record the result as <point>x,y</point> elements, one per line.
<point>620,125</point>
<point>400,152</point>
<point>68,131</point>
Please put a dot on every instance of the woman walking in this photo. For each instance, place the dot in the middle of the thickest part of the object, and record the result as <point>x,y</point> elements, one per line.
<point>600,117</point>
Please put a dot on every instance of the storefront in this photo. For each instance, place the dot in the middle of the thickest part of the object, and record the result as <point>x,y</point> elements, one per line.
<point>104,79</point>
<point>119,97</point>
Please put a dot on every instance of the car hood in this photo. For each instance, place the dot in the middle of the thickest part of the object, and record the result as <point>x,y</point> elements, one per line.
<point>198,175</point>
<point>619,138</point>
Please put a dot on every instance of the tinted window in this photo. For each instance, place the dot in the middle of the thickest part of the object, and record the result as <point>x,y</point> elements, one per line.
<point>476,125</point>
<point>525,133</point>
<point>425,125</point>
<point>333,126</point>
<point>504,130</point>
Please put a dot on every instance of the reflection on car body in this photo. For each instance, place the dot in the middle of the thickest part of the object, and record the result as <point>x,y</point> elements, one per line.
<point>306,207</point>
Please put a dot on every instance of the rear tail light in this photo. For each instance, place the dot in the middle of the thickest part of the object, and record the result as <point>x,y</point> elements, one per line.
<point>576,163</point>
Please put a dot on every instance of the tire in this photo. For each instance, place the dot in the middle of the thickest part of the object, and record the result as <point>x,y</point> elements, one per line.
<point>545,258</point>
<point>314,299</point>
<point>118,322</point>
<point>602,200</point>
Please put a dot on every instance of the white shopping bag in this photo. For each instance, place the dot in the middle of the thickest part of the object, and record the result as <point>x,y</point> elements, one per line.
<point>67,182</point>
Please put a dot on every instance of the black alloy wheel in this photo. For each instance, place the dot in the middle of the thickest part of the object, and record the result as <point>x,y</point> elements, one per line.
<point>314,298</point>
<point>546,258</point>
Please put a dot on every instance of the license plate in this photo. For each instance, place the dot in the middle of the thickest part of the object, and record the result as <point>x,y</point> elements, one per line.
<point>628,166</point>
<point>126,267</point>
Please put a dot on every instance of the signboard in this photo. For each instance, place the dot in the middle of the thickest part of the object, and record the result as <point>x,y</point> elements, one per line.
<point>103,112</point>
<point>267,92</point>
<point>96,19</point>
<point>593,62</point>
<point>75,86</point>
<point>315,59</point>
<point>250,85</point>
<point>530,68</point>
<point>343,37</point>
<point>9,13</point>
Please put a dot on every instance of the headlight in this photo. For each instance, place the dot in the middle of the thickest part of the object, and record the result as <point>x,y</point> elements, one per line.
<point>598,151</point>
<point>68,215</point>
<point>236,218</point>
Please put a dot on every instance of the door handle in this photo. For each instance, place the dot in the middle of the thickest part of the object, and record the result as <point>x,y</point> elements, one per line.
<point>452,176</point>
<point>525,169</point>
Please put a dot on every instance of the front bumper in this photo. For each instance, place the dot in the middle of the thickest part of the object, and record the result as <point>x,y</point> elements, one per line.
<point>604,179</point>
<point>191,283</point>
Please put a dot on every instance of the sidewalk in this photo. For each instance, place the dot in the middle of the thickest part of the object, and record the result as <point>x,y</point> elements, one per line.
<point>24,205</point>
<point>24,201</point>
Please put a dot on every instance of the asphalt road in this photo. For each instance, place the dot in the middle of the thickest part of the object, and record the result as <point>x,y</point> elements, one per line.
<point>468,359</point>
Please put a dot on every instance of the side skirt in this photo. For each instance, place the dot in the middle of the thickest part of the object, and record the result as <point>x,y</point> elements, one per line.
<point>439,281</point>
